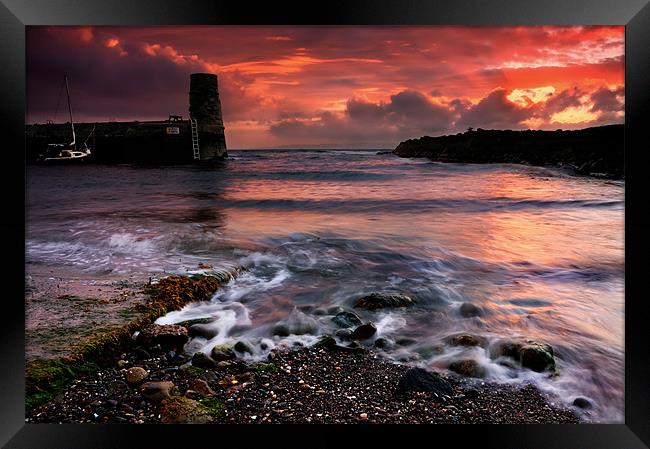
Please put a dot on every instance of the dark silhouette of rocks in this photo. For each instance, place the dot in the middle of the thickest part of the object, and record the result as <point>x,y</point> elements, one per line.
<point>596,151</point>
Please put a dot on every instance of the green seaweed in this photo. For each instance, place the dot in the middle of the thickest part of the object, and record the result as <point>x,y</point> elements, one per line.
<point>44,379</point>
<point>266,368</point>
<point>193,371</point>
<point>214,406</point>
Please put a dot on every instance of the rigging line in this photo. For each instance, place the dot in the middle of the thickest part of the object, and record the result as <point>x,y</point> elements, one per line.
<point>58,103</point>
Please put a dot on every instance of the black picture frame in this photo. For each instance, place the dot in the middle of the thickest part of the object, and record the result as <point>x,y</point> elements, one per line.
<point>634,14</point>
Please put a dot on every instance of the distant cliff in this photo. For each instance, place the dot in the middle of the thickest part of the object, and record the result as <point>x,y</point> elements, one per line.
<point>596,151</point>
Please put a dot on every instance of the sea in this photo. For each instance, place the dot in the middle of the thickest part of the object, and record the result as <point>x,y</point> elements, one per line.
<point>539,251</point>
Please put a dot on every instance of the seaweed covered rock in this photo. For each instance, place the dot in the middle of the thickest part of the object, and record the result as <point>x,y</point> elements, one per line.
<point>135,375</point>
<point>173,292</point>
<point>181,410</point>
<point>378,300</point>
<point>222,352</point>
<point>530,354</point>
<point>167,336</point>
<point>418,379</point>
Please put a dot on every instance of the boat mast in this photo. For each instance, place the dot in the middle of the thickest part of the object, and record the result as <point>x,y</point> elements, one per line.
<point>67,91</point>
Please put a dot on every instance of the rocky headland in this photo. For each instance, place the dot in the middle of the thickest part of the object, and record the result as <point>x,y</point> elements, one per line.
<point>596,151</point>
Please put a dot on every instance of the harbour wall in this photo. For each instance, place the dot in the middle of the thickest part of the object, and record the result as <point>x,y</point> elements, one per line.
<point>145,142</point>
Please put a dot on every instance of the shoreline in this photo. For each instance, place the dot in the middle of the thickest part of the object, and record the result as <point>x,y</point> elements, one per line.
<point>306,385</point>
<point>113,377</point>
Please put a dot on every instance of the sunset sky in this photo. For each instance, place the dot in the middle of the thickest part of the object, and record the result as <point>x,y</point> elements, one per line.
<point>343,87</point>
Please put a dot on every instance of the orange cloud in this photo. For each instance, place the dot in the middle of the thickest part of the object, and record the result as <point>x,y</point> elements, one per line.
<point>358,86</point>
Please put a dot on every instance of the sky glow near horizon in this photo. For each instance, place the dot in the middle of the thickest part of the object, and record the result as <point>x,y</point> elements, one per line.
<point>335,86</point>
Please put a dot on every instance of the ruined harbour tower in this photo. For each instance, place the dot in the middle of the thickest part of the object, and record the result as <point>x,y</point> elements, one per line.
<point>205,112</point>
<point>201,138</point>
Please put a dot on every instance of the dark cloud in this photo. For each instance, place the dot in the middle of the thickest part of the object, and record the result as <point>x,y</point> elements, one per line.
<point>408,113</point>
<point>606,100</point>
<point>123,81</point>
<point>566,99</point>
<point>495,111</point>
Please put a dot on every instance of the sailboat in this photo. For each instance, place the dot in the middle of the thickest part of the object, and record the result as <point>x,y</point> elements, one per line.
<point>62,153</point>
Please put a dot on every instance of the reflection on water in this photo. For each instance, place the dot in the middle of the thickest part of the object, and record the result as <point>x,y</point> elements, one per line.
<point>540,252</point>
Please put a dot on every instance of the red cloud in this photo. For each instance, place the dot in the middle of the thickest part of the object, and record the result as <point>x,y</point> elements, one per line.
<point>375,85</point>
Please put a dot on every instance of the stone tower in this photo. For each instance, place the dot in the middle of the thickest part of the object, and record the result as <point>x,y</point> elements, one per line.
<point>205,107</point>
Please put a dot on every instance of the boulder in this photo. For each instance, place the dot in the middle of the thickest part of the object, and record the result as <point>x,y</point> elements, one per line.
<point>242,347</point>
<point>281,330</point>
<point>364,332</point>
<point>181,410</point>
<point>343,334</point>
<point>467,368</point>
<point>530,354</point>
<point>168,336</point>
<point>405,341</point>
<point>465,340</point>
<point>202,330</point>
<point>582,403</point>
<point>135,375</point>
<point>325,342</point>
<point>418,379</point>
<point>346,319</point>
<point>468,310</point>
<point>381,343</point>
<point>202,360</point>
<point>378,300</point>
<point>156,392</point>
<point>222,352</point>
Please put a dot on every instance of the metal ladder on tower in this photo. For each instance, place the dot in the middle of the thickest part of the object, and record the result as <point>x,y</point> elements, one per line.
<point>195,140</point>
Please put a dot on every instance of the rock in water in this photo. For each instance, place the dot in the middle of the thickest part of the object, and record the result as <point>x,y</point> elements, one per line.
<point>325,342</point>
<point>364,332</point>
<point>383,300</point>
<point>466,340</point>
<point>343,334</point>
<point>582,403</point>
<point>467,368</point>
<point>202,330</point>
<point>418,379</point>
<point>135,375</point>
<point>381,343</point>
<point>469,310</point>
<point>167,336</point>
<point>346,319</point>
<point>222,352</point>
<point>242,347</point>
<point>530,354</point>
<point>156,392</point>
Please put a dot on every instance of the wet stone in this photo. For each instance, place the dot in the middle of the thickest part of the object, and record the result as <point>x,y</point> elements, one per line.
<point>364,332</point>
<point>346,319</point>
<point>469,310</point>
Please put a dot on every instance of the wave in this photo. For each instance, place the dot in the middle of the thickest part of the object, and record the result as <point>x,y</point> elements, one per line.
<point>408,205</point>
